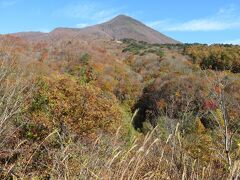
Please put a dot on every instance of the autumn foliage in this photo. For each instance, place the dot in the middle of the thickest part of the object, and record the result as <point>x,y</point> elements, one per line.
<point>82,108</point>
<point>216,57</point>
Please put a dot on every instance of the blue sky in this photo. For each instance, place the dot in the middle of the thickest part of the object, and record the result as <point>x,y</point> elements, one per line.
<point>205,21</point>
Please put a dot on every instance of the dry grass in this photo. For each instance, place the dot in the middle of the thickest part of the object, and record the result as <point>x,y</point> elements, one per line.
<point>148,157</point>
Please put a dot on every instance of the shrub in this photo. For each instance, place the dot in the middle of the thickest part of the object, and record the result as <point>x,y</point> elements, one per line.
<point>85,59</point>
<point>14,89</point>
<point>178,97</point>
<point>82,108</point>
<point>216,57</point>
<point>141,48</point>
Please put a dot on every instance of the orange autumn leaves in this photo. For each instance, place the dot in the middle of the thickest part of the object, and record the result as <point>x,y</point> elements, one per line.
<point>84,109</point>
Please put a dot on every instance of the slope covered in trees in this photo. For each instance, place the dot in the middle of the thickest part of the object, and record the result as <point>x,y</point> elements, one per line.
<point>79,109</point>
<point>216,57</point>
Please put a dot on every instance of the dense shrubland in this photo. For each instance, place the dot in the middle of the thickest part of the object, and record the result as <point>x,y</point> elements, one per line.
<point>215,57</point>
<point>61,101</point>
<point>101,110</point>
<point>142,48</point>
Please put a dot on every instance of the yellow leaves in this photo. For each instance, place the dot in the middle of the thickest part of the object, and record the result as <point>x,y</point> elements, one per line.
<point>201,148</point>
<point>215,57</point>
<point>199,126</point>
<point>219,116</point>
<point>177,94</point>
<point>83,107</point>
<point>238,147</point>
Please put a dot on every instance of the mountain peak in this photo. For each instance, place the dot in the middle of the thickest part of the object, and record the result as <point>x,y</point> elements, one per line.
<point>125,27</point>
<point>120,27</point>
<point>123,18</point>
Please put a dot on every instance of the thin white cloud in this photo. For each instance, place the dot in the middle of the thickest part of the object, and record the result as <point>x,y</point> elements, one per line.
<point>159,24</point>
<point>224,19</point>
<point>5,4</point>
<point>227,11</point>
<point>204,25</point>
<point>87,13</point>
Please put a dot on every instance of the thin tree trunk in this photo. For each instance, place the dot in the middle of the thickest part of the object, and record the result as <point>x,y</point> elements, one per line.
<point>227,138</point>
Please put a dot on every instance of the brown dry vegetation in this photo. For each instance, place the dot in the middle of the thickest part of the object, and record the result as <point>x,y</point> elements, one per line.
<point>68,111</point>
